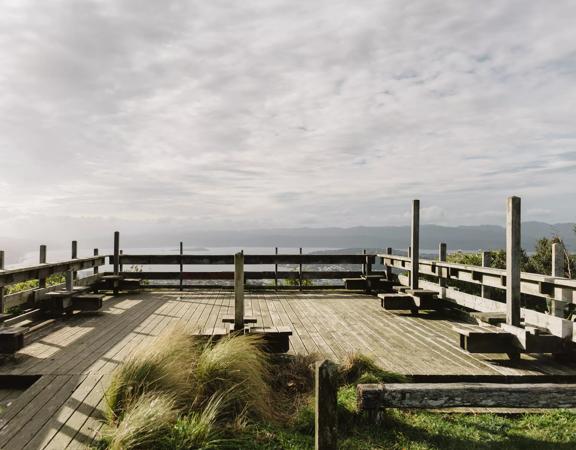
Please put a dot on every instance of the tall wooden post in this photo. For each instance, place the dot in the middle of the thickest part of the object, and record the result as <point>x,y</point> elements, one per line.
<point>486,261</point>
<point>558,262</point>
<point>74,255</point>
<point>116,260</point>
<point>181,265</point>
<point>388,266</point>
<point>300,271</point>
<point>558,270</point>
<point>513,254</point>
<point>442,256</point>
<point>42,260</point>
<point>365,265</point>
<point>276,269</point>
<point>368,264</point>
<point>120,265</point>
<point>1,287</point>
<point>239,291</point>
<point>96,267</point>
<point>326,406</point>
<point>415,247</point>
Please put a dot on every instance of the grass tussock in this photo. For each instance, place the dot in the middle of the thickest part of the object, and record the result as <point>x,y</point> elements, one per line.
<point>358,368</point>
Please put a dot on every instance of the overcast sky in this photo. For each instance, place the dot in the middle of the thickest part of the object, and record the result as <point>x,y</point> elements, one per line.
<point>268,113</point>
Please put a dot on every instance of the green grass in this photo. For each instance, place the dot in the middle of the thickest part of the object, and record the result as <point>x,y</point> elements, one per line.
<point>180,393</point>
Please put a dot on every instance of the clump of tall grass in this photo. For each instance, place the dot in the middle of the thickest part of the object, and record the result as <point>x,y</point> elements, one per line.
<point>145,423</point>
<point>197,386</point>
<point>359,368</point>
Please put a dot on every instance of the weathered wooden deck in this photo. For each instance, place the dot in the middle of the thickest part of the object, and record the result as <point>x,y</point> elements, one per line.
<point>75,357</point>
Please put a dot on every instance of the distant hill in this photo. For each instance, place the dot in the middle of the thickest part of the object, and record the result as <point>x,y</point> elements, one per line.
<point>460,237</point>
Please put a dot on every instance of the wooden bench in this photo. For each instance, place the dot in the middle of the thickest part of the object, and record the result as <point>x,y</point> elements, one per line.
<point>230,319</point>
<point>11,339</point>
<point>276,339</point>
<point>488,339</point>
<point>397,302</point>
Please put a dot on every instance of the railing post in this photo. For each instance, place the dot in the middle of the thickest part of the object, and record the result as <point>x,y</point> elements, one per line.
<point>486,261</point>
<point>368,265</point>
<point>1,287</point>
<point>181,265</point>
<point>442,255</point>
<point>74,256</point>
<point>558,270</point>
<point>42,260</point>
<point>276,269</point>
<point>365,265</point>
<point>300,270</point>
<point>415,247</point>
<point>388,266</point>
<point>116,259</point>
<point>239,291</point>
<point>120,265</point>
<point>513,253</point>
<point>96,267</point>
<point>326,406</point>
<point>69,277</point>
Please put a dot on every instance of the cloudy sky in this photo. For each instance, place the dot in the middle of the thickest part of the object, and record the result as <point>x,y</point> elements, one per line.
<point>282,113</point>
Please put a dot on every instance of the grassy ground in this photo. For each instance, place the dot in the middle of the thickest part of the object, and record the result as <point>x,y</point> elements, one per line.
<point>183,394</point>
<point>426,430</point>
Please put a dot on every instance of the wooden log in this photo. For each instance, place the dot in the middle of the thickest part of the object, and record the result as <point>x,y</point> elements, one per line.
<point>452,395</point>
<point>239,291</point>
<point>513,256</point>
<point>42,260</point>
<point>415,241</point>
<point>326,408</point>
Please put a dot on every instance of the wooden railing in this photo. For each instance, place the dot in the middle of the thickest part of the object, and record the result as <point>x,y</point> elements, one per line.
<point>557,291</point>
<point>40,272</point>
<point>298,260</point>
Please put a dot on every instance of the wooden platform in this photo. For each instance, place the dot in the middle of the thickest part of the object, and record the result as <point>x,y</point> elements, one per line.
<point>75,357</point>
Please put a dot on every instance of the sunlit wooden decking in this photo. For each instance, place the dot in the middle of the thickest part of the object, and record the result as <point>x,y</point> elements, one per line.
<point>75,357</point>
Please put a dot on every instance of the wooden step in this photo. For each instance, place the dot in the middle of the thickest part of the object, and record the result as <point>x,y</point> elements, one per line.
<point>247,319</point>
<point>355,284</point>
<point>477,339</point>
<point>490,318</point>
<point>397,302</point>
<point>87,302</point>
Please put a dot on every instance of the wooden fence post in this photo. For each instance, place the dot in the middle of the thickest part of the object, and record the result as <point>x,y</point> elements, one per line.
<point>442,255</point>
<point>276,269</point>
<point>300,270</point>
<point>326,406</point>
<point>42,260</point>
<point>116,259</point>
<point>388,266</point>
<point>486,261</point>
<point>74,256</point>
<point>181,265</point>
<point>1,287</point>
<point>239,291</point>
<point>95,267</point>
<point>513,254</point>
<point>365,265</point>
<point>558,270</point>
<point>415,272</point>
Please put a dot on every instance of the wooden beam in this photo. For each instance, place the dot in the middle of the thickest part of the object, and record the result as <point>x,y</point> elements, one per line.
<point>326,406</point>
<point>95,267</point>
<point>239,291</point>
<point>116,257</point>
<point>513,256</point>
<point>300,269</point>
<point>74,255</point>
<point>373,397</point>
<point>276,269</point>
<point>415,247</point>
<point>486,261</point>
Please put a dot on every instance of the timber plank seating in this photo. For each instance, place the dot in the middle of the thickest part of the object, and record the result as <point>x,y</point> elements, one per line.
<point>117,282</point>
<point>11,339</point>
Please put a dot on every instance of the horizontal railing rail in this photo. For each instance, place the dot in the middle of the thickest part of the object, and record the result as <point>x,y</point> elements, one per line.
<point>248,259</point>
